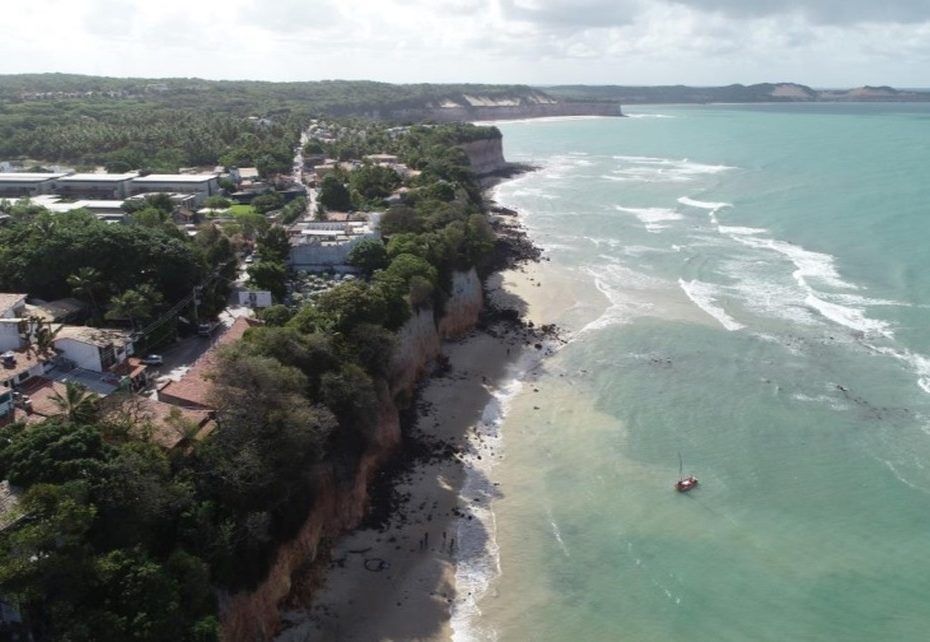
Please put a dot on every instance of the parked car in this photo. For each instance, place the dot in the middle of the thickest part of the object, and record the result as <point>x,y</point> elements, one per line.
<point>153,360</point>
<point>249,259</point>
<point>206,329</point>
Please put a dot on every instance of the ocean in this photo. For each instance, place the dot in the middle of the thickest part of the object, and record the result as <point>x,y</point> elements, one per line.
<point>748,287</point>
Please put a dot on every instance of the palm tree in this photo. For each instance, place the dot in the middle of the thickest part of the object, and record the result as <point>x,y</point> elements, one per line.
<point>84,283</point>
<point>135,304</point>
<point>78,404</point>
<point>40,337</point>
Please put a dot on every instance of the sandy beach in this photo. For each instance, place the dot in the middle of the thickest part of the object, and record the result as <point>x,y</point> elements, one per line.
<point>399,583</point>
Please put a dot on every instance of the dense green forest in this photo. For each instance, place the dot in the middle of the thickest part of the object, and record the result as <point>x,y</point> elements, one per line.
<point>118,539</point>
<point>128,273</point>
<point>161,125</point>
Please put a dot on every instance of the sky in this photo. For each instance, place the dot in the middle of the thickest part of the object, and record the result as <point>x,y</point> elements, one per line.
<point>822,43</point>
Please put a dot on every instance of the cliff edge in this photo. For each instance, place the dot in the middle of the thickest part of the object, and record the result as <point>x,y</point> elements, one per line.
<point>343,497</point>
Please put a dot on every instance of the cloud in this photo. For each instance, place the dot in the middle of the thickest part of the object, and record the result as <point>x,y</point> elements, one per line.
<point>838,12</point>
<point>571,14</point>
<point>820,42</point>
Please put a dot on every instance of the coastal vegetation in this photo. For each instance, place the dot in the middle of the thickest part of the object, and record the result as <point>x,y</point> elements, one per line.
<point>160,126</point>
<point>125,271</point>
<point>116,538</point>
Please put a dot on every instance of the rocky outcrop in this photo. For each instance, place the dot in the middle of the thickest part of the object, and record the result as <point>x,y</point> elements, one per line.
<point>486,156</point>
<point>342,501</point>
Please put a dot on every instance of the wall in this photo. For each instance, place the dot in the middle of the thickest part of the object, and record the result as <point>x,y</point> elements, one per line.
<point>84,355</point>
<point>9,335</point>
<point>315,255</point>
<point>342,502</point>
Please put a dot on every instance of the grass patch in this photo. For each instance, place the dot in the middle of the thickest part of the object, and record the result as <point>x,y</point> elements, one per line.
<point>241,210</point>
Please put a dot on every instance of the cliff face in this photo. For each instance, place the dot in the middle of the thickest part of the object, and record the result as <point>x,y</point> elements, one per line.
<point>485,156</point>
<point>342,502</point>
<point>452,112</point>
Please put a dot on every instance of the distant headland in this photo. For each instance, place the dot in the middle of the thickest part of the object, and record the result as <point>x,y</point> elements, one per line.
<point>784,92</point>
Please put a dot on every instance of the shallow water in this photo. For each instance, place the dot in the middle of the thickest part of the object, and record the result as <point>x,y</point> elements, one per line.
<point>760,304</point>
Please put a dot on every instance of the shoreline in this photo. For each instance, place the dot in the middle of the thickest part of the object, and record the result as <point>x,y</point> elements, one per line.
<point>412,576</point>
<point>399,581</point>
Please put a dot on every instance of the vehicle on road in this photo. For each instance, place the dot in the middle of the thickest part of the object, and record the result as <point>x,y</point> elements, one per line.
<point>153,360</point>
<point>206,329</point>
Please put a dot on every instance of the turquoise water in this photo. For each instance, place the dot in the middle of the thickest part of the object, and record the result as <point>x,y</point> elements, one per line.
<point>760,303</point>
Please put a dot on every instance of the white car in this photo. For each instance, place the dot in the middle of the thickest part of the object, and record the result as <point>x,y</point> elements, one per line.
<point>153,360</point>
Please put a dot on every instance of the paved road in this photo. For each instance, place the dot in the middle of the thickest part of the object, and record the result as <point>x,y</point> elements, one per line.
<point>181,356</point>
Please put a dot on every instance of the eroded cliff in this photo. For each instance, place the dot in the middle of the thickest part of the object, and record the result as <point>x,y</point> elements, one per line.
<point>342,499</point>
<point>485,156</point>
<point>498,109</point>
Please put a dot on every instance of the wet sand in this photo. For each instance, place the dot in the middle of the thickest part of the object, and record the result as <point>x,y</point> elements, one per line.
<point>399,583</point>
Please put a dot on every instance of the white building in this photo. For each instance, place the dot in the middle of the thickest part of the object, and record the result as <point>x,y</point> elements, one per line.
<point>94,349</point>
<point>99,186</point>
<point>255,298</point>
<point>109,211</point>
<point>12,311</point>
<point>15,185</point>
<point>19,366</point>
<point>321,246</point>
<point>202,186</point>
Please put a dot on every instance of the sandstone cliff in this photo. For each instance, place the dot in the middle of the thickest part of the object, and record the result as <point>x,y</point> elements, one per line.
<point>342,499</point>
<point>485,156</point>
<point>461,113</point>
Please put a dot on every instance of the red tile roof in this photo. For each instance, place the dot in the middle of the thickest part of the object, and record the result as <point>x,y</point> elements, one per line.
<point>41,392</point>
<point>158,414</point>
<point>193,390</point>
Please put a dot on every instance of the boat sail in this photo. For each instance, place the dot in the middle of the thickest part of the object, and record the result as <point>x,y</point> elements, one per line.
<point>684,484</point>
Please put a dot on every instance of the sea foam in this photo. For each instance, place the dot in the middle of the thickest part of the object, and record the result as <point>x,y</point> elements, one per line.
<point>478,554</point>
<point>704,295</point>
<point>652,217</point>
<point>648,169</point>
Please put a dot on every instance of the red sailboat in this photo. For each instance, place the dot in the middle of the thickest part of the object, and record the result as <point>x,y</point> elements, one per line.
<point>684,484</point>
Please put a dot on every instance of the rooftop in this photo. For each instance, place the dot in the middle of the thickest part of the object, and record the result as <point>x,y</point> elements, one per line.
<point>195,386</point>
<point>56,310</point>
<point>98,178</point>
<point>28,177</point>
<point>24,361</point>
<point>9,299</point>
<point>175,178</point>
<point>167,422</point>
<point>41,392</point>
<point>94,336</point>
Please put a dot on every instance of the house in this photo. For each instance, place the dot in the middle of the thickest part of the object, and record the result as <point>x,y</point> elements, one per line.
<point>378,159</point>
<point>20,184</point>
<point>12,311</point>
<point>98,186</point>
<point>19,366</point>
<point>12,305</point>
<point>194,389</point>
<point>96,349</point>
<point>165,424</point>
<point>247,175</point>
<point>255,298</point>
<point>320,246</point>
<point>202,186</point>
<point>6,402</point>
<point>67,310</point>
<point>43,394</point>
<point>109,211</point>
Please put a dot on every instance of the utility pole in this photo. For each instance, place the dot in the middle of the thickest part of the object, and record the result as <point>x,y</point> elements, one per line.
<point>196,300</point>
